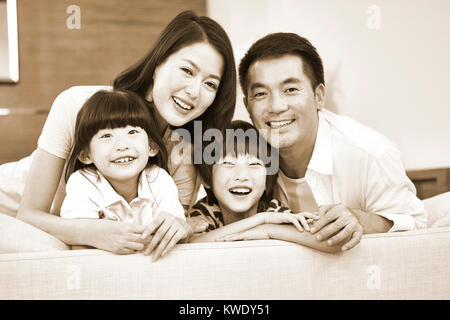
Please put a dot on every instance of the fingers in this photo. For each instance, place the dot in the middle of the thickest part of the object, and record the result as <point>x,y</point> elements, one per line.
<point>177,237</point>
<point>154,225</point>
<point>325,217</point>
<point>356,238</point>
<point>164,242</point>
<point>163,228</point>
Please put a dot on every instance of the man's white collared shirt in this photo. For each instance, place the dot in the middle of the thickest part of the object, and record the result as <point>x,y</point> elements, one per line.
<point>90,195</point>
<point>353,165</point>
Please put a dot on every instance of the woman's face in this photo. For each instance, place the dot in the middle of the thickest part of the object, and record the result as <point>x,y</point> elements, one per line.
<point>186,83</point>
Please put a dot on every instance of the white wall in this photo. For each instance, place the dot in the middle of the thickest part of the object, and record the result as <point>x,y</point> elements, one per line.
<point>395,79</point>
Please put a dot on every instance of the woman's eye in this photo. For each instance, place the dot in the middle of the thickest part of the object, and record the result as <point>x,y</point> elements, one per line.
<point>188,71</point>
<point>212,85</point>
<point>256,164</point>
<point>105,136</point>
<point>259,94</point>
<point>133,131</point>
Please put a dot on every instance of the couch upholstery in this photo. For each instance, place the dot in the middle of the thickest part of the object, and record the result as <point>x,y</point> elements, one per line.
<point>401,265</point>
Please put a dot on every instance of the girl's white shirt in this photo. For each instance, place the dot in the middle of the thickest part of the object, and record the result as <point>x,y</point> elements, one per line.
<point>90,195</point>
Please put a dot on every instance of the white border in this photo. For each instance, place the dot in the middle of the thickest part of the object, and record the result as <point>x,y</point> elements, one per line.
<point>13,51</point>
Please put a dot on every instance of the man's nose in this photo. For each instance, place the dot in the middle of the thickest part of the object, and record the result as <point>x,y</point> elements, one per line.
<point>278,104</point>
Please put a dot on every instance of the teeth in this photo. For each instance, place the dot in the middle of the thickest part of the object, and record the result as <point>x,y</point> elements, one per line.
<point>182,104</point>
<point>278,124</point>
<point>124,160</point>
<point>240,190</point>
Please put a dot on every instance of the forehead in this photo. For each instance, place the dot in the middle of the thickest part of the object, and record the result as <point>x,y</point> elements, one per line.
<point>275,71</point>
<point>203,55</point>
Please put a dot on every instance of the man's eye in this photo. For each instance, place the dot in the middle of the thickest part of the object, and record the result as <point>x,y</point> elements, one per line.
<point>291,90</point>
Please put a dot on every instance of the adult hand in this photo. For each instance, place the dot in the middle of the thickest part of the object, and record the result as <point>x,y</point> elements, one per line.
<point>297,219</point>
<point>167,230</point>
<point>197,223</point>
<point>117,237</point>
<point>338,225</point>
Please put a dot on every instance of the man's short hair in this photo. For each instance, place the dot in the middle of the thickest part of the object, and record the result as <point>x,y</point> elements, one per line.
<point>275,45</point>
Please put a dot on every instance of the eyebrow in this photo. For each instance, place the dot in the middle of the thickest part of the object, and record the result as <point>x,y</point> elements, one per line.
<point>196,67</point>
<point>286,81</point>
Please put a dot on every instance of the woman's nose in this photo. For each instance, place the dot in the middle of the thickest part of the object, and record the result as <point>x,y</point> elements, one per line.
<point>193,88</point>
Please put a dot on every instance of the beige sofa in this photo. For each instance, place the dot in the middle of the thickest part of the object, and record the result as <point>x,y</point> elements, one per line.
<point>402,265</point>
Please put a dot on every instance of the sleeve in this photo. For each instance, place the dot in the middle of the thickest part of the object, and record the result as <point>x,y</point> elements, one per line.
<point>57,134</point>
<point>206,211</point>
<point>79,201</point>
<point>392,195</point>
<point>275,205</point>
<point>166,194</point>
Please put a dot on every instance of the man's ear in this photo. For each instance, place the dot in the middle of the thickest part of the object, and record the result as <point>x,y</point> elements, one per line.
<point>319,95</point>
<point>85,157</point>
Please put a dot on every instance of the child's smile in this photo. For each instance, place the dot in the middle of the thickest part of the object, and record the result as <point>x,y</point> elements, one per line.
<point>238,183</point>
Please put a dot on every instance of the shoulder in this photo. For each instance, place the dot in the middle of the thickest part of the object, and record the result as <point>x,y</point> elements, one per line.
<point>352,136</point>
<point>208,210</point>
<point>155,174</point>
<point>82,180</point>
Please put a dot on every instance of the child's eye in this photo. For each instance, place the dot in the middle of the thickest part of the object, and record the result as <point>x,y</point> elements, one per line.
<point>227,163</point>
<point>106,136</point>
<point>133,131</point>
<point>256,164</point>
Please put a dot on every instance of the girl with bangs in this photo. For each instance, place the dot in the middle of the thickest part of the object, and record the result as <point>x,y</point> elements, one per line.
<point>239,204</point>
<point>116,169</point>
<point>188,75</point>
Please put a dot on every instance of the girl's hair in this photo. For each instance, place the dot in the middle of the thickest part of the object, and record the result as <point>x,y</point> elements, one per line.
<point>110,110</point>
<point>186,29</point>
<point>242,139</point>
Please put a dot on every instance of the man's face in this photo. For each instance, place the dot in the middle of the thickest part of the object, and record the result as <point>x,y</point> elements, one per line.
<point>282,103</point>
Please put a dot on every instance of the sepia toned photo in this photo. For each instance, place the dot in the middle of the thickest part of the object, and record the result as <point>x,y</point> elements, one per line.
<point>209,150</point>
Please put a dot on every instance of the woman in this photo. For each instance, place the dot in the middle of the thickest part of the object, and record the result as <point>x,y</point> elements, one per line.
<point>188,75</point>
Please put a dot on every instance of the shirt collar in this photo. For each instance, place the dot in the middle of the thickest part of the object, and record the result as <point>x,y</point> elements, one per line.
<point>111,196</point>
<point>322,157</point>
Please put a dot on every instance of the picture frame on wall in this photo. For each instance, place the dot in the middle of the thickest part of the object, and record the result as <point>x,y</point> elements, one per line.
<point>9,53</point>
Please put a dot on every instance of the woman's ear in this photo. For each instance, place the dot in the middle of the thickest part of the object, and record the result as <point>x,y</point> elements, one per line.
<point>85,157</point>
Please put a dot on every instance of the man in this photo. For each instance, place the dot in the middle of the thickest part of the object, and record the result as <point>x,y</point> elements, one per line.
<point>330,164</point>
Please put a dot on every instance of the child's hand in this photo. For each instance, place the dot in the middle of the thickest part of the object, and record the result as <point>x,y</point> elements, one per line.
<point>197,223</point>
<point>167,230</point>
<point>117,237</point>
<point>303,218</point>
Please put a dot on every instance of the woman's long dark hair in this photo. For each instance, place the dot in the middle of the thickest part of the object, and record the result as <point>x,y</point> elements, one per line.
<point>109,110</point>
<point>185,29</point>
